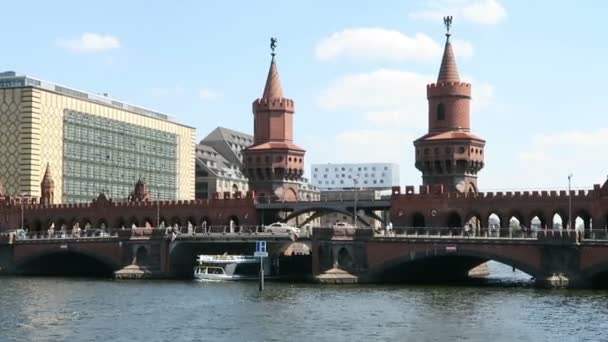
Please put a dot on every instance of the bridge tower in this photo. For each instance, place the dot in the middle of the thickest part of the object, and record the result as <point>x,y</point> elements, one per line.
<point>141,192</point>
<point>273,164</point>
<point>449,154</point>
<point>47,187</point>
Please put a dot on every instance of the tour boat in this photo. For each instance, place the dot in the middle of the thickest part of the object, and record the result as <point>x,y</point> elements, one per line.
<point>229,267</point>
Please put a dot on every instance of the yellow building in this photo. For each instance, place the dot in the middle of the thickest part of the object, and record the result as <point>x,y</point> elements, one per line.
<point>91,144</point>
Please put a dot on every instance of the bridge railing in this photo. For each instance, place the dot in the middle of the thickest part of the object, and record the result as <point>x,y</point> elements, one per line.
<point>65,234</point>
<point>451,232</point>
<point>502,233</point>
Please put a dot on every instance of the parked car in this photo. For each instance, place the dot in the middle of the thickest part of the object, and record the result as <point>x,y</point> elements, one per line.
<point>280,227</point>
<point>343,225</point>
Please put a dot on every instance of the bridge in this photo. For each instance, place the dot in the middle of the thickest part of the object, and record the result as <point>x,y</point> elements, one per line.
<point>134,252</point>
<point>346,206</point>
<point>553,258</point>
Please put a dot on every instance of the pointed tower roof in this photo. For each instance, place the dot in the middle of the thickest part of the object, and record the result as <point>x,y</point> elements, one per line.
<point>48,177</point>
<point>273,87</point>
<point>448,71</point>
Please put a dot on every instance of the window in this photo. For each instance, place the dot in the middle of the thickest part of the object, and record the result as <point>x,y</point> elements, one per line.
<point>440,112</point>
<point>316,169</point>
<point>386,168</point>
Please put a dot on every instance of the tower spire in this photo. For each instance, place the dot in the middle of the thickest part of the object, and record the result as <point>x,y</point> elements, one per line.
<point>448,72</point>
<point>273,87</point>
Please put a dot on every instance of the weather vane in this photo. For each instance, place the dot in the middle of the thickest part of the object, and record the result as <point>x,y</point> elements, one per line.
<point>273,45</point>
<point>447,21</point>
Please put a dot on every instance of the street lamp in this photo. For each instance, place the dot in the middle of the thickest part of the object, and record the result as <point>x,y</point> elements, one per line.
<point>22,209</point>
<point>355,180</point>
<point>570,204</point>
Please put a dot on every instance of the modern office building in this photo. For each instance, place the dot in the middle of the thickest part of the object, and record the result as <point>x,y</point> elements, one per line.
<point>219,162</point>
<point>377,176</point>
<point>90,143</point>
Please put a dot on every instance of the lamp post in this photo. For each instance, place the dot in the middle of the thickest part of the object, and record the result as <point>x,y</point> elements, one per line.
<point>355,180</point>
<point>157,209</point>
<point>570,204</point>
<point>22,210</point>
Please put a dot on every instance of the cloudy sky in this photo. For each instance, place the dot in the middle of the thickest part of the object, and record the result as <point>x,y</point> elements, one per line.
<point>357,71</point>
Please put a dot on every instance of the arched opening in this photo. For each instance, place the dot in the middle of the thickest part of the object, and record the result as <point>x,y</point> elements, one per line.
<point>583,222</point>
<point>66,263</point>
<point>345,261</point>
<point>473,224</point>
<point>233,223</point>
<point>85,223</point>
<point>148,222</point>
<point>176,221</point>
<point>121,222</point>
<point>134,223</point>
<point>102,224</point>
<point>235,188</point>
<point>557,222</point>
<point>477,268</point>
<point>141,256</point>
<point>418,220</point>
<point>494,224</point>
<point>205,221</point>
<point>538,221</point>
<point>440,112</point>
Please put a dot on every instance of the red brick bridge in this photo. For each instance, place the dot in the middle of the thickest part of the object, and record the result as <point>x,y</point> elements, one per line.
<point>553,258</point>
<point>132,253</point>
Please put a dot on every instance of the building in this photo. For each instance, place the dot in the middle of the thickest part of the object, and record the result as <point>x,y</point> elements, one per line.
<point>378,176</point>
<point>449,154</point>
<point>219,164</point>
<point>89,143</point>
<point>274,164</point>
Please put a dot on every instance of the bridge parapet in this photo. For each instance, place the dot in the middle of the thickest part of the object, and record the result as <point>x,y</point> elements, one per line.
<point>342,233</point>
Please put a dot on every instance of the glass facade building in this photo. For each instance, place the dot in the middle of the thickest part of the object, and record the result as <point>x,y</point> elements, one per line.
<point>107,155</point>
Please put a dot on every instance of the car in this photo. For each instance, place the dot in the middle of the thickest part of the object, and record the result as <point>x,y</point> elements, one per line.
<point>280,227</point>
<point>342,225</point>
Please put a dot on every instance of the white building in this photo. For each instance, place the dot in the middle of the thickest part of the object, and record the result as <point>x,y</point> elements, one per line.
<point>377,176</point>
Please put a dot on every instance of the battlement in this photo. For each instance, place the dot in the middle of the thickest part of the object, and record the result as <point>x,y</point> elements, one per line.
<point>279,104</point>
<point>448,89</point>
<point>439,190</point>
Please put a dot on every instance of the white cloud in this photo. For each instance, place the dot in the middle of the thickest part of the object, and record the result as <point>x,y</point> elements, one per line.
<point>486,12</point>
<point>90,42</point>
<point>373,43</point>
<point>547,158</point>
<point>208,94</point>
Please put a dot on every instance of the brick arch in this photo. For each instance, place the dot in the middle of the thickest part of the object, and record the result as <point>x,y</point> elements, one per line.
<point>537,213</point>
<point>501,217</point>
<point>517,214</point>
<point>517,259</point>
<point>585,215</point>
<point>111,260</point>
<point>322,211</point>
<point>562,213</point>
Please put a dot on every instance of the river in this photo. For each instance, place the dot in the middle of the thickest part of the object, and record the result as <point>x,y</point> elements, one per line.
<point>506,308</point>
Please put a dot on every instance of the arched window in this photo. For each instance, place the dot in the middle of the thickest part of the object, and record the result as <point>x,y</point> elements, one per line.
<point>440,112</point>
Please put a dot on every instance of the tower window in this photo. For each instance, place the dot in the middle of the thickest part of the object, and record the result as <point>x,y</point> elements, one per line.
<point>440,112</point>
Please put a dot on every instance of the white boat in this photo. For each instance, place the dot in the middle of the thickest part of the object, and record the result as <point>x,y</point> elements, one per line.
<point>229,267</point>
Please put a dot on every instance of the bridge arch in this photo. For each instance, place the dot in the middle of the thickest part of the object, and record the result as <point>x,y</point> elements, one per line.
<point>320,211</point>
<point>559,219</point>
<point>76,262</point>
<point>495,218</point>
<point>435,264</point>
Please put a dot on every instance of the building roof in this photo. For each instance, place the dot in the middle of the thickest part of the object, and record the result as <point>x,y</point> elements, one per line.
<point>284,145</point>
<point>273,87</point>
<point>229,143</point>
<point>10,79</point>
<point>450,135</point>
<point>448,72</point>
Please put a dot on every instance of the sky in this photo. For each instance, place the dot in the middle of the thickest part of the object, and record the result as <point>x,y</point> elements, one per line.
<point>357,71</point>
